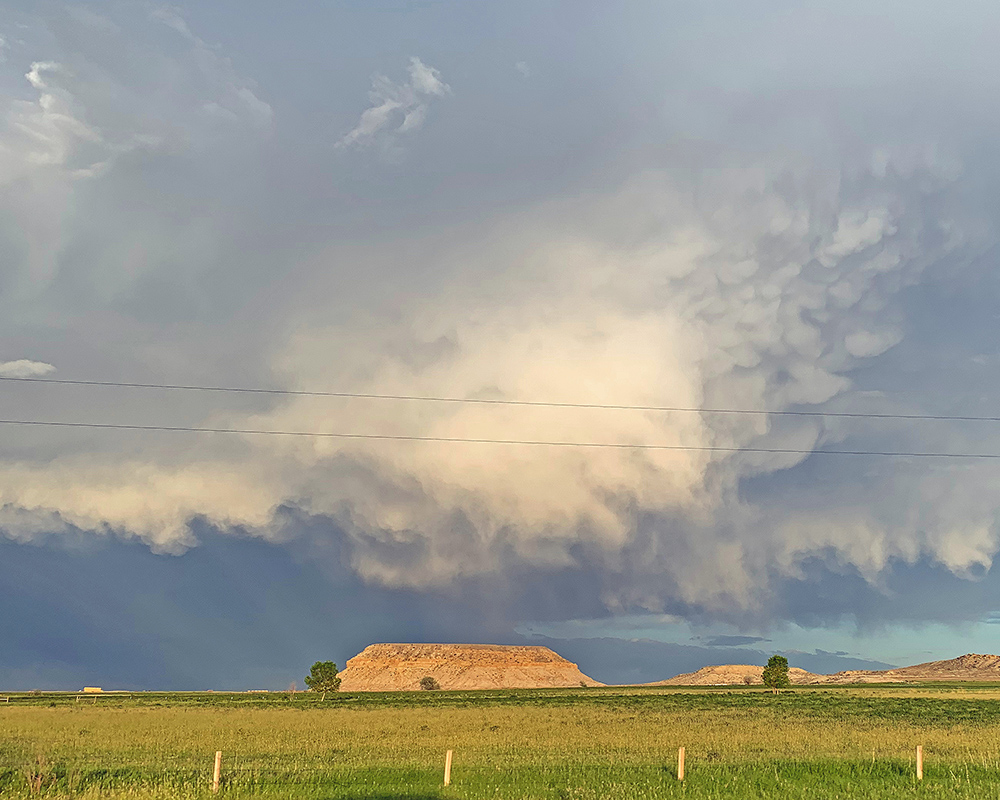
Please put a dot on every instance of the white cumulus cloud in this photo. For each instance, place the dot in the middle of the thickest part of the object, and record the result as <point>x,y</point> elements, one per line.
<point>23,368</point>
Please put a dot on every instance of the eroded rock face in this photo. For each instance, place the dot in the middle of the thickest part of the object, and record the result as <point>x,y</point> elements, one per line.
<point>970,667</point>
<point>400,667</point>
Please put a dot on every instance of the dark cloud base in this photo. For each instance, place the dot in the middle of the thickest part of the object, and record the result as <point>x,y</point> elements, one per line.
<point>231,613</point>
<point>645,661</point>
<point>237,613</point>
<point>732,641</point>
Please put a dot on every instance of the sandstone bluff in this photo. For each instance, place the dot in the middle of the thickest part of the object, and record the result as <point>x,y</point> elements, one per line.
<point>970,667</point>
<point>400,667</point>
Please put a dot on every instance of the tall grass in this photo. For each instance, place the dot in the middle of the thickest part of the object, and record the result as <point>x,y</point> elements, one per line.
<point>584,744</point>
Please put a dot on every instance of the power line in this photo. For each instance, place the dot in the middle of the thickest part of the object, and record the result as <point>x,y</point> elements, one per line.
<point>461,440</point>
<point>501,402</point>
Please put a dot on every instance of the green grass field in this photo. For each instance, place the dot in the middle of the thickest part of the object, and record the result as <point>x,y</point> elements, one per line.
<point>847,742</point>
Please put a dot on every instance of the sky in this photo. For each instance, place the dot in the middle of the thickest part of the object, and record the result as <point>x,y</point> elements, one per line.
<point>581,212</point>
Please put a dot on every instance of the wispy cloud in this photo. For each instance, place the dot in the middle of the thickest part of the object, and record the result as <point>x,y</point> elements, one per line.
<point>239,101</point>
<point>171,17</point>
<point>397,108</point>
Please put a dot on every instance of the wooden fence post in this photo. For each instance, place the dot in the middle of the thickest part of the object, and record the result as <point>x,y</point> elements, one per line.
<point>920,762</point>
<point>680,763</point>
<point>218,771</point>
<point>447,768</point>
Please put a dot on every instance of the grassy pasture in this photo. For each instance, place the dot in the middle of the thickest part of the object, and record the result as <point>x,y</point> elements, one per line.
<point>848,742</point>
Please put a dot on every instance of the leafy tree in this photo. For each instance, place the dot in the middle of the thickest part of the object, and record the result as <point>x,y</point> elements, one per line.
<point>323,678</point>
<point>429,683</point>
<point>776,673</point>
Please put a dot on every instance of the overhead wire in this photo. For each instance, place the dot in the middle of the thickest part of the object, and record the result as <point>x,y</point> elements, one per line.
<point>497,402</point>
<point>463,440</point>
<point>509,402</point>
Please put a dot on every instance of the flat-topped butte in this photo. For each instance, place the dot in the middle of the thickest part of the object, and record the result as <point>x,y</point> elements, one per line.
<point>400,667</point>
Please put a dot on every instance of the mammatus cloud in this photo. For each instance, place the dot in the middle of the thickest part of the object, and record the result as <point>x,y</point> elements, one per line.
<point>23,368</point>
<point>752,292</point>
<point>743,279</point>
<point>745,295</point>
<point>397,108</point>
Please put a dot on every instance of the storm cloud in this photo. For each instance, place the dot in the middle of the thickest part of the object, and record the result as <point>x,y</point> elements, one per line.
<point>767,222</point>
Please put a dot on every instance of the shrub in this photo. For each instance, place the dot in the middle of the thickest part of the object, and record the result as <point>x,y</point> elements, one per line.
<point>429,683</point>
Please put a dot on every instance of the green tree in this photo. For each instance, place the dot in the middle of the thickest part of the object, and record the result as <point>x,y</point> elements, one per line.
<point>776,673</point>
<point>323,678</point>
<point>429,683</point>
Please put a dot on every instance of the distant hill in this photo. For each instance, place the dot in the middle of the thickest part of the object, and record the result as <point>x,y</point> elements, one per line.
<point>400,667</point>
<point>621,662</point>
<point>970,667</point>
<point>733,674</point>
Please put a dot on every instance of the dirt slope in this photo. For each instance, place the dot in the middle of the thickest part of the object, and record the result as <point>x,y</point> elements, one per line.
<point>729,674</point>
<point>970,667</point>
<point>399,667</point>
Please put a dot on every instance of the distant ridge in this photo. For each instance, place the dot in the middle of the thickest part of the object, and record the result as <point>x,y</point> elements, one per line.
<point>400,667</point>
<point>970,667</point>
<point>732,675</point>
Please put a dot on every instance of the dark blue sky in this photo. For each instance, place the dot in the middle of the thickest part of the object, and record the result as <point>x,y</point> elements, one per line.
<point>237,613</point>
